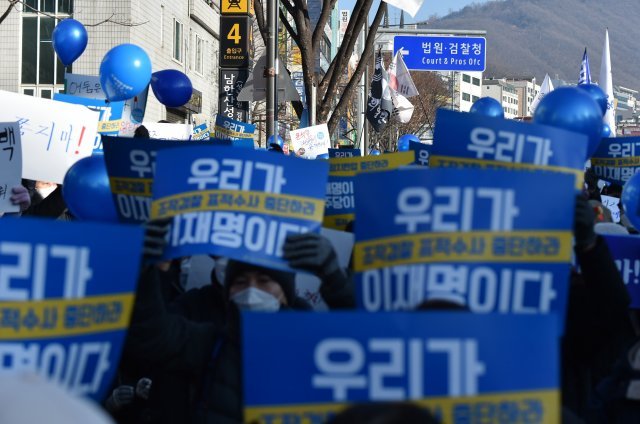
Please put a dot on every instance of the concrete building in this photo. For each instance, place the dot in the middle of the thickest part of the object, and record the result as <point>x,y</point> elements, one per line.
<point>503,92</point>
<point>527,89</point>
<point>469,89</point>
<point>178,34</point>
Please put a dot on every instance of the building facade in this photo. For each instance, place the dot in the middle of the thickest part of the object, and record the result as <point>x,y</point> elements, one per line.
<point>503,92</point>
<point>527,90</point>
<point>179,34</point>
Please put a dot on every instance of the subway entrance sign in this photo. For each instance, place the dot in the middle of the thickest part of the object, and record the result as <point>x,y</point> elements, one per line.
<point>442,53</point>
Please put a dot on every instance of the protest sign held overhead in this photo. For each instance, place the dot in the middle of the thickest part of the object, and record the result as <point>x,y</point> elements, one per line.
<point>616,159</point>
<point>230,129</point>
<point>311,142</point>
<point>455,364</point>
<point>166,131</point>
<point>54,135</point>
<point>422,151</point>
<point>344,153</point>
<point>10,164</point>
<point>472,237</point>
<point>340,206</point>
<point>625,251</point>
<point>66,299</point>
<point>471,140</point>
<point>238,203</point>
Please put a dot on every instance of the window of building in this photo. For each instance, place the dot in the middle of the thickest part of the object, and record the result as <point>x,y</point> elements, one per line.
<point>466,97</point>
<point>475,98</point>
<point>40,67</point>
<point>199,52</point>
<point>476,81</point>
<point>466,78</point>
<point>178,30</point>
<point>325,47</point>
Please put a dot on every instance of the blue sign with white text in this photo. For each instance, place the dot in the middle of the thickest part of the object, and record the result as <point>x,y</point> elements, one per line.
<point>244,143</point>
<point>345,153</point>
<point>66,297</point>
<point>237,203</point>
<point>442,53</point>
<point>472,140</point>
<point>230,129</point>
<point>625,251</point>
<point>616,159</point>
<point>472,237</point>
<point>458,365</point>
<point>423,152</point>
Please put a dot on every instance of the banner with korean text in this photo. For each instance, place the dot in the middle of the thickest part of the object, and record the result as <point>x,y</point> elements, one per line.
<point>66,297</point>
<point>340,206</point>
<point>625,251</point>
<point>472,237</point>
<point>230,129</point>
<point>616,159</point>
<point>54,135</point>
<point>422,151</point>
<point>237,203</point>
<point>472,140</point>
<point>10,164</point>
<point>463,367</point>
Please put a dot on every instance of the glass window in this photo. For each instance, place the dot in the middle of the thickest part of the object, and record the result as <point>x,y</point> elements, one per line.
<point>475,98</point>
<point>466,97</point>
<point>30,5</point>
<point>476,81</point>
<point>46,69</point>
<point>177,40</point>
<point>29,92</point>
<point>466,78</point>
<point>65,6</point>
<point>199,55</point>
<point>46,93</point>
<point>29,50</point>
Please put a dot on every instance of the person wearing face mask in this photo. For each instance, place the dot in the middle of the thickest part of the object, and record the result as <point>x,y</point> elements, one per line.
<point>46,200</point>
<point>192,347</point>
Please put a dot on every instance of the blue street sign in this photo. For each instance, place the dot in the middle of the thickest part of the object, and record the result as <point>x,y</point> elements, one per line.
<point>429,53</point>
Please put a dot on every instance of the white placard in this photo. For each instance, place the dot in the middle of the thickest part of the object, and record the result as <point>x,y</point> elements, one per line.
<point>10,164</point>
<point>613,204</point>
<point>164,131</point>
<point>55,135</point>
<point>311,141</point>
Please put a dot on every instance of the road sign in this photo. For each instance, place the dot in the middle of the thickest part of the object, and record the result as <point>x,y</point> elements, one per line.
<point>234,41</point>
<point>431,53</point>
<point>230,83</point>
<point>236,7</point>
<point>255,88</point>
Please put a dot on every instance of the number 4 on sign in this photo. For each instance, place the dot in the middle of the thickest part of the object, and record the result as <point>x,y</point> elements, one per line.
<point>234,34</point>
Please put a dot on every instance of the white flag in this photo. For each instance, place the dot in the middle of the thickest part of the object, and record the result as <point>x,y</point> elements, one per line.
<point>546,88</point>
<point>402,108</point>
<point>400,78</point>
<point>606,83</point>
<point>409,6</point>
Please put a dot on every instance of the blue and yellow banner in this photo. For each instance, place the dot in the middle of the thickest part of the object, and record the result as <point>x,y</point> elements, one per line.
<point>340,199</point>
<point>462,367</point>
<point>66,297</point>
<point>237,203</point>
<point>625,251</point>
<point>345,153</point>
<point>483,239</point>
<point>474,141</point>
<point>230,129</point>
<point>616,159</point>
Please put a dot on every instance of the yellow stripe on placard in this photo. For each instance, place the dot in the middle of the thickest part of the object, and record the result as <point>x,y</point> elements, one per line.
<point>616,162</point>
<point>337,222</point>
<point>235,134</point>
<point>536,406</point>
<point>349,167</point>
<point>131,186</point>
<point>64,317</point>
<point>109,126</point>
<point>447,161</point>
<point>283,205</point>
<point>477,246</point>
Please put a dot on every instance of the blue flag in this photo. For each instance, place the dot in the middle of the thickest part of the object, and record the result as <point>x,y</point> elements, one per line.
<point>585,71</point>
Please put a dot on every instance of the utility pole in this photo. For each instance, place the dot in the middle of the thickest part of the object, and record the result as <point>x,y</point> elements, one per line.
<point>271,71</point>
<point>365,129</point>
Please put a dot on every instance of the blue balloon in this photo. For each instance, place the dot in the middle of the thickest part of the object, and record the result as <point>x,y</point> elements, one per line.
<point>572,109</point>
<point>171,87</point>
<point>69,40</point>
<point>124,72</point>
<point>374,152</point>
<point>405,140</point>
<point>86,190</point>
<point>323,156</point>
<point>606,131</point>
<point>277,142</point>
<point>596,94</point>
<point>488,106</point>
<point>631,200</point>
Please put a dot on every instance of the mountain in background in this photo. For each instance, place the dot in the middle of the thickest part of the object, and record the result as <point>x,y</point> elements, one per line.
<point>534,37</point>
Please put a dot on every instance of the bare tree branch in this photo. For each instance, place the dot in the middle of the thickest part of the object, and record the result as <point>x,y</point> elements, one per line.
<point>288,6</point>
<point>355,78</point>
<point>289,28</point>
<point>8,11</point>
<point>318,32</point>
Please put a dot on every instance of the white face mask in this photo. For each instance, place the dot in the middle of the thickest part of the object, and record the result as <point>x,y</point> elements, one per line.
<point>253,299</point>
<point>46,191</point>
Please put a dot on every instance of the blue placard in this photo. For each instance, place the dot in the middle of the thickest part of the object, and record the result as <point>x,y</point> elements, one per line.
<point>459,365</point>
<point>110,115</point>
<point>340,207</point>
<point>625,251</point>
<point>345,153</point>
<point>423,152</point>
<point>245,143</point>
<point>434,53</point>
<point>131,166</point>
<point>237,203</point>
<point>472,140</point>
<point>469,236</point>
<point>230,129</point>
<point>616,159</point>
<point>66,296</point>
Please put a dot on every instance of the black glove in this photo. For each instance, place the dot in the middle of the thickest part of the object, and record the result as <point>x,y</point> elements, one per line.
<point>312,252</point>
<point>155,239</point>
<point>143,388</point>
<point>584,221</point>
<point>120,397</point>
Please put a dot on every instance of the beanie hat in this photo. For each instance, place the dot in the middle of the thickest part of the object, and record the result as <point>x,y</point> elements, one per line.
<point>285,279</point>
